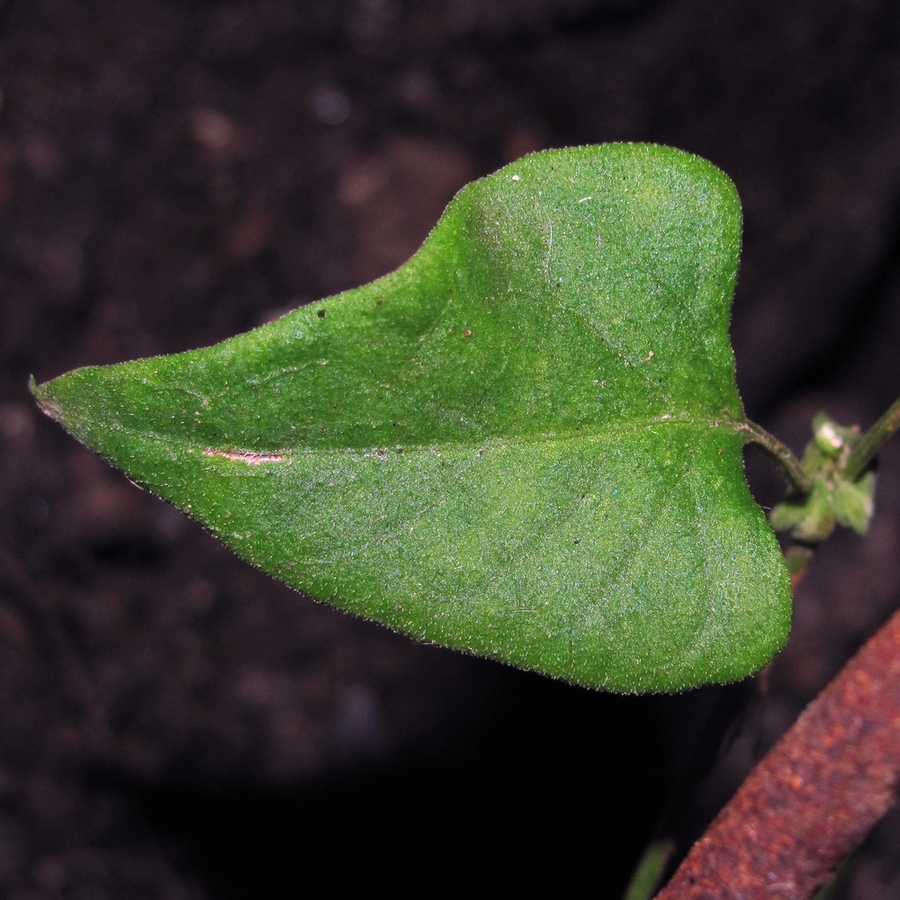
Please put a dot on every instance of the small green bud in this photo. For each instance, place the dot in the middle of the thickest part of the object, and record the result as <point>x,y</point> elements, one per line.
<point>833,439</point>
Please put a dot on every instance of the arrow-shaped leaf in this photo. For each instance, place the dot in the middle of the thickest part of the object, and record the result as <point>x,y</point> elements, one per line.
<point>525,443</point>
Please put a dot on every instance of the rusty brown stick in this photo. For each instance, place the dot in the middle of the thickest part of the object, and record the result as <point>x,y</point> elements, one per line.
<point>816,794</point>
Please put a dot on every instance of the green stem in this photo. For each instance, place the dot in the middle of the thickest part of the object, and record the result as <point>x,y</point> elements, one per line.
<point>781,453</point>
<point>871,442</point>
<point>650,870</point>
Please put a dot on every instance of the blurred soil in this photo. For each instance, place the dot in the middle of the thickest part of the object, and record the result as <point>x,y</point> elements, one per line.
<point>176,725</point>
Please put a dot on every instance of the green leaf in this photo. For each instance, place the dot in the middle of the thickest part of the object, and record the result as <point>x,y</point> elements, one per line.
<point>525,443</point>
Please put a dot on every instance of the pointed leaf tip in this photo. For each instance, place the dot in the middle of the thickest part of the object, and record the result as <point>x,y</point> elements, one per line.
<point>525,443</point>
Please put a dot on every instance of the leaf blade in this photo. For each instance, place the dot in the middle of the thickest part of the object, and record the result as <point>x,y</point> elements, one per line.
<point>495,425</point>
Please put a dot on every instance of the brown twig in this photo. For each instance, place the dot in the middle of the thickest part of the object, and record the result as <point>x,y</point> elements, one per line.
<point>814,797</point>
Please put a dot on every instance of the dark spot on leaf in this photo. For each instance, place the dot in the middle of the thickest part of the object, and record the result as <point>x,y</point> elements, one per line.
<point>321,313</point>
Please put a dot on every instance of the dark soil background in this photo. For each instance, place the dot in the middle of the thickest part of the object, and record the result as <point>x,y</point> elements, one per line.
<point>176,725</point>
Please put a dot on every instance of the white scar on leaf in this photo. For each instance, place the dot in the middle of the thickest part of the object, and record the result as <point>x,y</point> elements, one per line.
<point>245,456</point>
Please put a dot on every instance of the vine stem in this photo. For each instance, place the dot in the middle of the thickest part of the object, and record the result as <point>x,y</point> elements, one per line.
<point>872,441</point>
<point>650,869</point>
<point>781,453</point>
<point>816,794</point>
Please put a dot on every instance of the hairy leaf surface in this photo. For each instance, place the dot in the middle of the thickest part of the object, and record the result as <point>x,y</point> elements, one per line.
<point>525,443</point>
